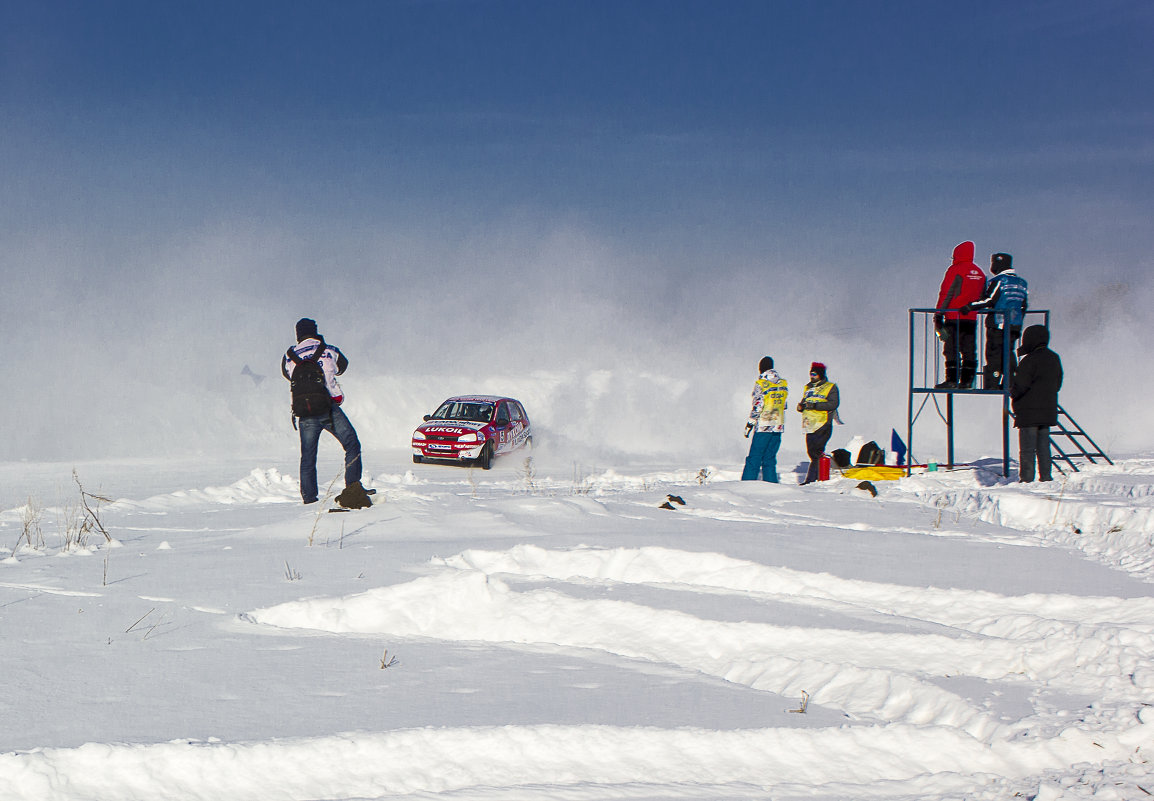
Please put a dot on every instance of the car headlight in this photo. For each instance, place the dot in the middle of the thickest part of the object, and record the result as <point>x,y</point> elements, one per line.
<point>418,435</point>
<point>471,437</point>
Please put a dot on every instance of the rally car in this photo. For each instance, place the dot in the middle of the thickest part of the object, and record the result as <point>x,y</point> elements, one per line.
<point>474,429</point>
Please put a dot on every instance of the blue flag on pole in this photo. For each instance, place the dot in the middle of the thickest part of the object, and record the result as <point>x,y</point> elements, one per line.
<point>898,447</point>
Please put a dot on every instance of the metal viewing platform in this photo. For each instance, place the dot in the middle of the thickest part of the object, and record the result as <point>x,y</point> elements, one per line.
<point>929,381</point>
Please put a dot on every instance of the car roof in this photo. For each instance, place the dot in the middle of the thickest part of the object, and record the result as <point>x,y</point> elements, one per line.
<point>476,399</point>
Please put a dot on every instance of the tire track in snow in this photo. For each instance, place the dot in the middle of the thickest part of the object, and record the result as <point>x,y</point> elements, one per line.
<point>864,674</point>
<point>550,761</point>
<point>1084,644</point>
<point>1096,645</point>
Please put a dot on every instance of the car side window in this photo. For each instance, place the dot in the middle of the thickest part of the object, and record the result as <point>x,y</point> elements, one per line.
<point>515,412</point>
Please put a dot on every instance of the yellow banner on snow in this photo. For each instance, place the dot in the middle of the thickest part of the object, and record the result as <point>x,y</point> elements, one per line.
<point>875,473</point>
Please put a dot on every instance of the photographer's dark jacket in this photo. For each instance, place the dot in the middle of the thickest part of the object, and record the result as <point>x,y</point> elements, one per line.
<point>1034,390</point>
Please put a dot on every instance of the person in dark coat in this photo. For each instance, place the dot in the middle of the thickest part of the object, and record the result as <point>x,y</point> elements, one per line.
<point>818,409</point>
<point>1034,392</point>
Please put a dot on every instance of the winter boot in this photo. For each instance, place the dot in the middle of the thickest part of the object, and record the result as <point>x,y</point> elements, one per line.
<point>951,377</point>
<point>354,497</point>
<point>966,377</point>
<point>951,381</point>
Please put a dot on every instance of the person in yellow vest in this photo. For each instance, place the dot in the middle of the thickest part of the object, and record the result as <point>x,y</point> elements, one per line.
<point>766,423</point>
<point>818,409</point>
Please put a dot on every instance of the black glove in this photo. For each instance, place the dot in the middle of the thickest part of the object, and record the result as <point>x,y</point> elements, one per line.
<point>966,309</point>
<point>748,429</point>
<point>939,320</point>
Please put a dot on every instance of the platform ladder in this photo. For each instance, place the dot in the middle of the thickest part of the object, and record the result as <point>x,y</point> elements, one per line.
<point>1078,440</point>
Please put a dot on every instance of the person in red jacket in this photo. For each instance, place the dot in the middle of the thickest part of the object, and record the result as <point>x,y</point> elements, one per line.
<point>963,283</point>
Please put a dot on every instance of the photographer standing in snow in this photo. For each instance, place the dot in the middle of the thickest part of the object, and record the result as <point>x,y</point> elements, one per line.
<point>312,367</point>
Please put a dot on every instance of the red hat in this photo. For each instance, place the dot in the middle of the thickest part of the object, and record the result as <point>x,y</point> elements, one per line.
<point>817,367</point>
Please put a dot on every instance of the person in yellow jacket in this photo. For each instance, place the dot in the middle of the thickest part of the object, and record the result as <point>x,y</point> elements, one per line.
<point>818,409</point>
<point>766,423</point>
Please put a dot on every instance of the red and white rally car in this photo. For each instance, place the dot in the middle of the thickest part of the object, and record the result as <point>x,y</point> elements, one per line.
<point>472,428</point>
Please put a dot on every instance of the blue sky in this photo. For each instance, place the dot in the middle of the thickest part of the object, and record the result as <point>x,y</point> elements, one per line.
<point>650,173</point>
<point>641,110</point>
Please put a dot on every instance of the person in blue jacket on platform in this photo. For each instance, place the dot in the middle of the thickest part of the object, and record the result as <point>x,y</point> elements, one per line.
<point>1006,292</point>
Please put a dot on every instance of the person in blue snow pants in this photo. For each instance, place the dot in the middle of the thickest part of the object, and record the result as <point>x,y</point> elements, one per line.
<point>766,423</point>
<point>762,457</point>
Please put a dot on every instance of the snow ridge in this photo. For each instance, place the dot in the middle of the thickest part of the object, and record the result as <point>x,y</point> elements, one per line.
<point>1093,511</point>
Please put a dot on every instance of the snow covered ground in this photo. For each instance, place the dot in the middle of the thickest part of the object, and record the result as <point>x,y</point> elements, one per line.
<point>546,630</point>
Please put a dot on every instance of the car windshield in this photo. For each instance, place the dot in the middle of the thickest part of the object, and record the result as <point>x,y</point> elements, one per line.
<point>460,410</point>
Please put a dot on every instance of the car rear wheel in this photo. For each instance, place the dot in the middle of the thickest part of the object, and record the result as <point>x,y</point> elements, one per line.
<point>485,460</point>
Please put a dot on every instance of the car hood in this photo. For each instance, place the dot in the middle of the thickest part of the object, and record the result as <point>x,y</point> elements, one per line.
<point>450,426</point>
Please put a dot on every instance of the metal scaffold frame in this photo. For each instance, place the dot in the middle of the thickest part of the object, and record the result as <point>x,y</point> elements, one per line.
<point>925,348</point>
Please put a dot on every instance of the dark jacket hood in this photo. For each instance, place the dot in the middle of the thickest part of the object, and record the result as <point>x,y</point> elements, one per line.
<point>1034,337</point>
<point>964,253</point>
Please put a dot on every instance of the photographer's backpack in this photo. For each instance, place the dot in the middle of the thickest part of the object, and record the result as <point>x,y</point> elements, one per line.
<point>310,393</point>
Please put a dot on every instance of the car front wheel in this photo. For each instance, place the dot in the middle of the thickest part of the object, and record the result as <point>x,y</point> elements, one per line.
<point>485,460</point>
